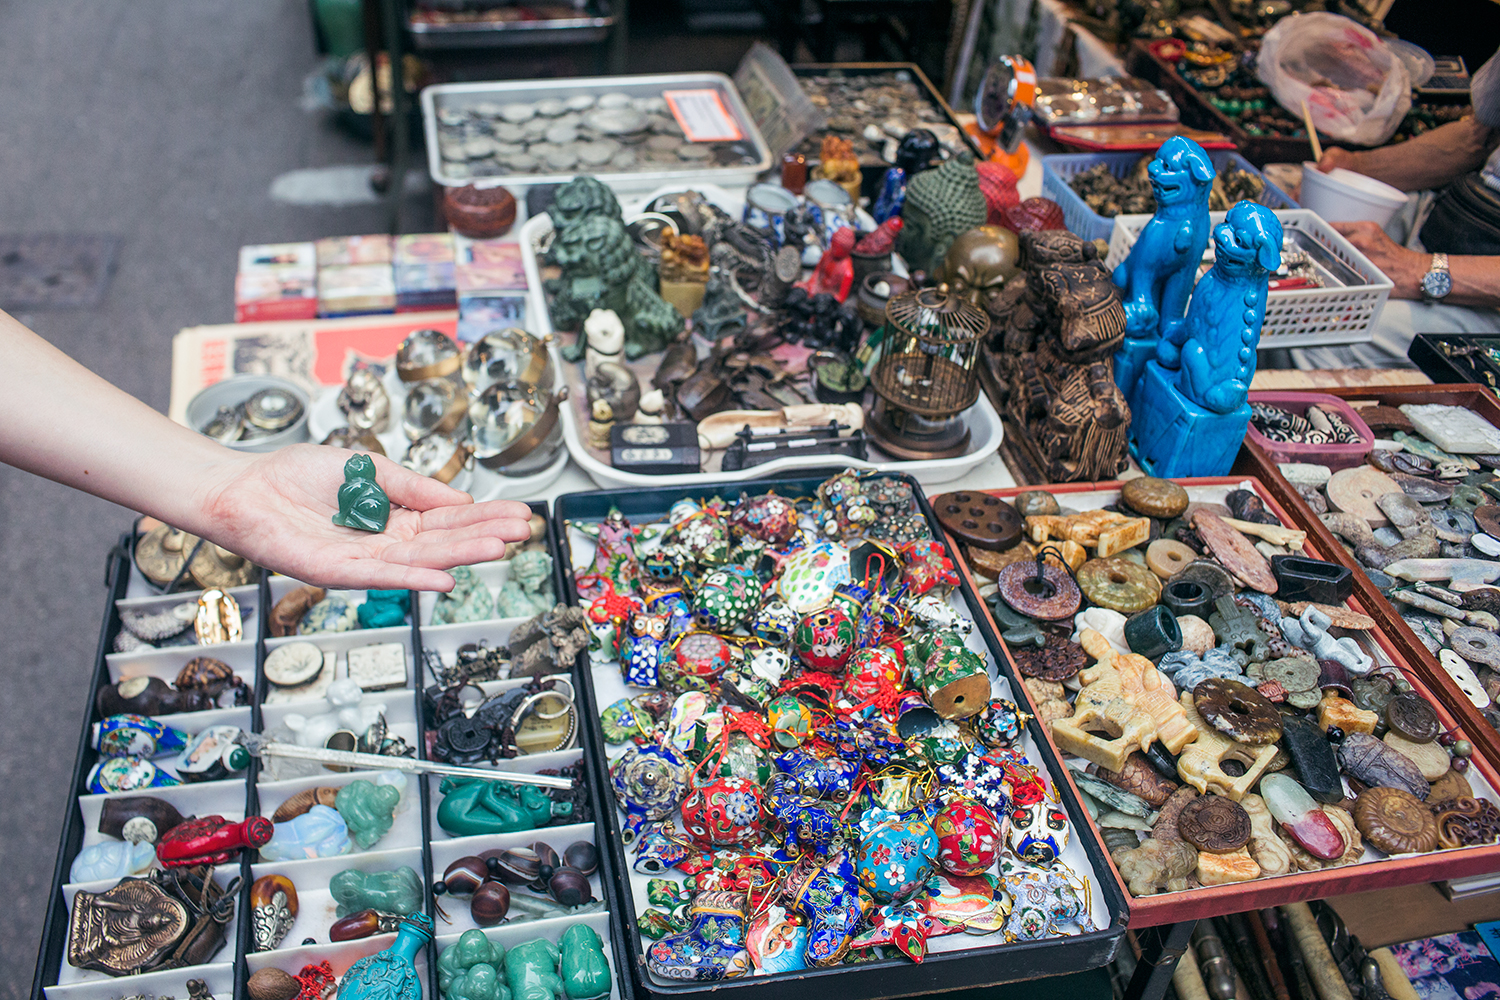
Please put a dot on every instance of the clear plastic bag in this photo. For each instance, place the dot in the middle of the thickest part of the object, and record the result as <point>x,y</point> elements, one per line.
<point>1357,89</point>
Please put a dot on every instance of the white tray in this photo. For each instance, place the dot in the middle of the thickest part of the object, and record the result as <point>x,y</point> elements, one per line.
<point>985,428</point>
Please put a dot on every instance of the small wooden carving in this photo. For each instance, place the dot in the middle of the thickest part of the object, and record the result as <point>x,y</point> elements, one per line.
<point>1051,358</point>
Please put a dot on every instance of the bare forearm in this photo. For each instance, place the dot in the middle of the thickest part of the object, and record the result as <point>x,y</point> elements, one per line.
<point>67,424</point>
<point>1431,160</point>
<point>1476,281</point>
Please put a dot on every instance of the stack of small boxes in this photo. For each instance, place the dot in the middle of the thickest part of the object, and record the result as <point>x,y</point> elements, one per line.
<point>276,281</point>
<point>491,283</point>
<point>347,276</point>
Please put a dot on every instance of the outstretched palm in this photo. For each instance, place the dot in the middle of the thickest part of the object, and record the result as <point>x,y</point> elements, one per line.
<point>277,510</point>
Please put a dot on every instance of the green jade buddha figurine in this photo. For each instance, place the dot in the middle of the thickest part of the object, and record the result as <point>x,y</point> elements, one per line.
<point>470,969</point>
<point>362,503</point>
<point>390,974</point>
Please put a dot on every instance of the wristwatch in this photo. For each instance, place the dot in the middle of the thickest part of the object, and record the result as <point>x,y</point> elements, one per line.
<point>1437,282</point>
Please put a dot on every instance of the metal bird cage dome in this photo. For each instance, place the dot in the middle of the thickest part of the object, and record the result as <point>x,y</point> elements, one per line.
<point>927,376</point>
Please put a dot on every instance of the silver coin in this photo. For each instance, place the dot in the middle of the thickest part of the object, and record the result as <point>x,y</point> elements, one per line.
<point>505,150</point>
<point>663,143</point>
<point>580,102</point>
<point>614,99</point>
<point>479,149</point>
<point>650,105</point>
<point>523,163</point>
<point>550,107</point>
<point>562,158</point>
<point>572,118</point>
<point>448,116</point>
<point>562,134</point>
<point>536,128</point>
<point>487,109</point>
<point>598,153</point>
<point>665,125</point>
<point>507,132</point>
<point>518,113</point>
<point>694,151</point>
<point>616,121</point>
<point>541,150</point>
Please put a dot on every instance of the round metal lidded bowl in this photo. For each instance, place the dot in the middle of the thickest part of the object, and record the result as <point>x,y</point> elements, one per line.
<point>508,355</point>
<point>516,427</point>
<point>226,407</point>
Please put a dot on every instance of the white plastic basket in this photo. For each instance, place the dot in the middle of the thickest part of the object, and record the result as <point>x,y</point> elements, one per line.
<point>1301,317</point>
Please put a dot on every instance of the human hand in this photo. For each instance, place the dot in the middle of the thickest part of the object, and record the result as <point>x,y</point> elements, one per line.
<point>277,510</point>
<point>1404,267</point>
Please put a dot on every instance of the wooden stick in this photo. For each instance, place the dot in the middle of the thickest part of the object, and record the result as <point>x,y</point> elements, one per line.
<point>1321,968</point>
<point>1312,133</point>
<point>1267,956</point>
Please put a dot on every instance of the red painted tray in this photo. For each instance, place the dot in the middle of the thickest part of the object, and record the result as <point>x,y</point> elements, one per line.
<point>1194,904</point>
<point>1253,461</point>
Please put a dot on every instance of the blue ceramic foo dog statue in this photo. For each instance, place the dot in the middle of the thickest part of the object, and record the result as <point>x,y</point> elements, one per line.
<point>1158,276</point>
<point>1194,395</point>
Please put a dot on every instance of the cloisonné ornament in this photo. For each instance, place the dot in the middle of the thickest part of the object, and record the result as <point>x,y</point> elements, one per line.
<point>896,855</point>
<point>789,719</point>
<point>726,599</point>
<point>697,660</point>
<point>770,518</point>
<point>648,781</point>
<point>969,836</point>
<point>725,812</point>
<point>872,673</point>
<point>824,640</point>
<point>775,622</point>
<point>808,579</point>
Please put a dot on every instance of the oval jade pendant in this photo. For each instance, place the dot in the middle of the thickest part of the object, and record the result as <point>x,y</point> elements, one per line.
<point>1301,817</point>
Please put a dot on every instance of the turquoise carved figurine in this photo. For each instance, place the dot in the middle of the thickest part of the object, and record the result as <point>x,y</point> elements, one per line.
<point>362,503</point>
<point>1194,393</point>
<point>469,969</point>
<point>1157,277</point>
<point>476,805</point>
<point>585,970</point>
<point>390,974</point>
<point>531,971</point>
<point>384,608</point>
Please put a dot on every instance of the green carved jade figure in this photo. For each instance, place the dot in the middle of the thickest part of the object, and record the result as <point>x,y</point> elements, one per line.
<point>362,503</point>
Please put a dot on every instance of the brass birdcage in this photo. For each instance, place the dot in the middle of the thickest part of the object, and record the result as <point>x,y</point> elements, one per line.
<point>927,376</point>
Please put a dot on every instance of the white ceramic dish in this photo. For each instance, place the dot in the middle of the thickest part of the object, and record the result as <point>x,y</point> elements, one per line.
<point>985,429</point>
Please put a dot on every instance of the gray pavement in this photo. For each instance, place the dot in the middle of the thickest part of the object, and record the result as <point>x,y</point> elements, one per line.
<point>163,123</point>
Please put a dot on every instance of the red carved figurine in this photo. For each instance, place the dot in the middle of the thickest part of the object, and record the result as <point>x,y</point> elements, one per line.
<point>835,272</point>
<point>210,840</point>
<point>882,240</point>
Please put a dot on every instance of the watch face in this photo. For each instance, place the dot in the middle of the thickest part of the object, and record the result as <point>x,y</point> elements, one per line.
<point>1436,284</point>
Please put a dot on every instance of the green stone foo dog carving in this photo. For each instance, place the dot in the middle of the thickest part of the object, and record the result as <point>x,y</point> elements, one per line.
<point>601,269</point>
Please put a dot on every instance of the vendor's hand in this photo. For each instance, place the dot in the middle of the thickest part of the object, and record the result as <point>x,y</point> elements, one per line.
<point>277,510</point>
<point>1404,267</point>
<point>1335,157</point>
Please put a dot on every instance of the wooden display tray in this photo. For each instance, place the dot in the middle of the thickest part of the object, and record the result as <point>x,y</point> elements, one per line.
<point>1253,461</point>
<point>1212,901</point>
